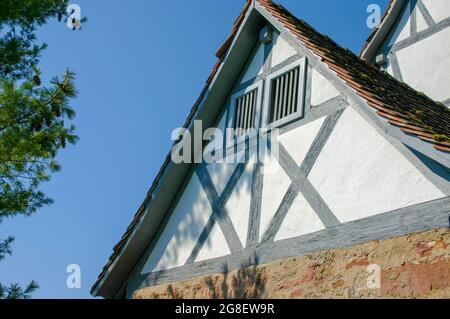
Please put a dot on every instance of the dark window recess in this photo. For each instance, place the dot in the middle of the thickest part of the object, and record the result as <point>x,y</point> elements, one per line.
<point>245,114</point>
<point>284,95</point>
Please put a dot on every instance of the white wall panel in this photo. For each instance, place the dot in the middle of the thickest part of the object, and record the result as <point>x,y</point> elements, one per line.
<point>281,50</point>
<point>300,220</point>
<point>255,68</point>
<point>321,89</point>
<point>238,205</point>
<point>220,174</point>
<point>215,246</point>
<point>183,229</point>
<point>359,174</point>
<point>421,23</point>
<point>275,186</point>
<point>425,65</point>
<point>298,141</point>
<point>438,9</point>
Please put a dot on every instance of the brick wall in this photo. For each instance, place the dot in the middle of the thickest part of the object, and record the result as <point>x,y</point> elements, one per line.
<point>413,266</point>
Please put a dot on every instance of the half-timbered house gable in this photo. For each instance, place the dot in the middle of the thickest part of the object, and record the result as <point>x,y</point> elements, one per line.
<point>413,44</point>
<point>348,154</point>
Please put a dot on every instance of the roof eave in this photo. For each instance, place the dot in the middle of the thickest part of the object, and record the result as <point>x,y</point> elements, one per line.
<point>159,201</point>
<point>119,268</point>
<point>382,31</point>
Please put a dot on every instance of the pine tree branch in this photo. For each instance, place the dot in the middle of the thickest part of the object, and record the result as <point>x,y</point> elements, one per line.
<point>62,89</point>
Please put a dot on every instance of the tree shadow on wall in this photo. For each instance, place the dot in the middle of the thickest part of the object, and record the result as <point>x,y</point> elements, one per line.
<point>247,282</point>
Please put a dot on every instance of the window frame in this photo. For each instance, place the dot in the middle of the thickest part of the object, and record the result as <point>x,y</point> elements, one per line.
<point>301,64</point>
<point>232,110</point>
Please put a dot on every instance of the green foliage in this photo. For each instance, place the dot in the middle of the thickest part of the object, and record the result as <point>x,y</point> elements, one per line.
<point>19,19</point>
<point>32,130</point>
<point>14,291</point>
<point>34,119</point>
<point>441,138</point>
<point>5,247</point>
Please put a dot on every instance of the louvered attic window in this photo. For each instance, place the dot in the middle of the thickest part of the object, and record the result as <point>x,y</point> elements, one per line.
<point>245,112</point>
<point>284,95</point>
<point>245,108</point>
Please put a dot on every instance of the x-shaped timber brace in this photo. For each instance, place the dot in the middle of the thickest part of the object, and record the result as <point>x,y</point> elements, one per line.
<point>299,184</point>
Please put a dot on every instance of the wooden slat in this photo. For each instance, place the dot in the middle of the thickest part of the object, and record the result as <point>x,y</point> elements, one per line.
<point>241,114</point>
<point>250,110</point>
<point>285,95</point>
<point>282,98</point>
<point>255,100</point>
<point>289,93</point>
<point>245,112</point>
<point>276,99</point>
<point>296,89</point>
<point>245,117</point>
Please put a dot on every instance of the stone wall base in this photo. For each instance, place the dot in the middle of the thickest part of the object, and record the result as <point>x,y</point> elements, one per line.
<point>413,266</point>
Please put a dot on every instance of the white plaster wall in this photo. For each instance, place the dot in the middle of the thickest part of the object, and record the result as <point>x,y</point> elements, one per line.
<point>220,173</point>
<point>438,9</point>
<point>300,220</point>
<point>256,66</point>
<point>360,174</point>
<point>420,21</point>
<point>321,89</point>
<point>276,183</point>
<point>216,142</point>
<point>281,50</point>
<point>298,141</point>
<point>215,245</point>
<point>425,65</point>
<point>275,186</point>
<point>238,205</point>
<point>183,229</point>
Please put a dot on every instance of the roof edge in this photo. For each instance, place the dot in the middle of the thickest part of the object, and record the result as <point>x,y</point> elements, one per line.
<point>225,51</point>
<point>380,33</point>
<point>141,214</point>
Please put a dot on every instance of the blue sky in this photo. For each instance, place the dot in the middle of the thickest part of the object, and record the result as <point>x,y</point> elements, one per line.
<point>128,58</point>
